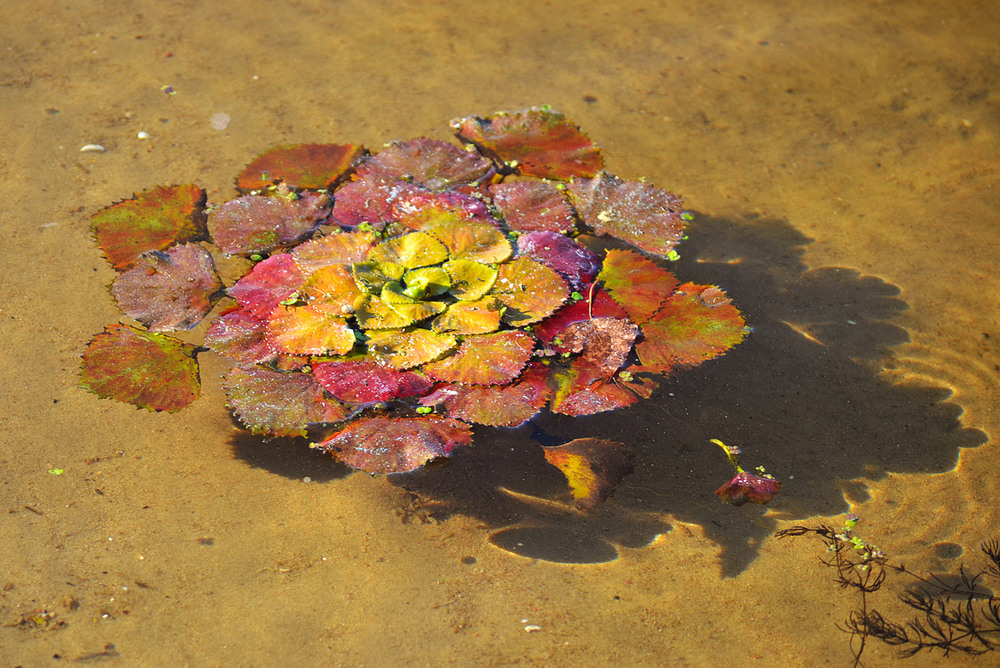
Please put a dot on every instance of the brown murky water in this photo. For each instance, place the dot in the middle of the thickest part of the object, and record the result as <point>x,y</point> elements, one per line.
<point>843,159</point>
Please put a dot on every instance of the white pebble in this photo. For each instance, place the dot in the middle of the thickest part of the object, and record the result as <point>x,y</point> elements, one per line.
<point>307,479</point>
<point>531,628</point>
<point>220,121</point>
<point>92,148</point>
<point>143,135</point>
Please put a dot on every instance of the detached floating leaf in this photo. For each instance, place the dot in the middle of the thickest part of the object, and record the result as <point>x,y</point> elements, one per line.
<point>636,282</point>
<point>279,403</point>
<point>268,284</point>
<point>532,206</point>
<point>593,467</point>
<point>530,291</point>
<point>367,382</point>
<point>488,359</point>
<point>239,336</point>
<point>152,220</point>
<point>309,166</point>
<point>747,487</point>
<point>396,445</point>
<point>167,290</point>
<point>539,142</point>
<point>432,163</point>
<point>141,368</point>
<point>259,223</point>
<point>604,342</point>
<point>498,405</point>
<point>576,264</point>
<point>688,331</point>
<point>634,212</point>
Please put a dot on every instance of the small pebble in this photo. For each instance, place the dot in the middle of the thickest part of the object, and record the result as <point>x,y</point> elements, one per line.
<point>92,148</point>
<point>307,479</point>
<point>220,121</point>
<point>531,628</point>
<point>143,135</point>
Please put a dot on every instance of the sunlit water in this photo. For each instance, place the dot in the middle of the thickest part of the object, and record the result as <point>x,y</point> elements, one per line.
<point>842,159</point>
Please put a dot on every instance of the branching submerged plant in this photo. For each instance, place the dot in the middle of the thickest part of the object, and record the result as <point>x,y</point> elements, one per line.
<point>954,614</point>
<point>397,298</point>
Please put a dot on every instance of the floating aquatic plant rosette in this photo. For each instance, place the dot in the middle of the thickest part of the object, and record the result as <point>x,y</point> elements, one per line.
<point>396,298</point>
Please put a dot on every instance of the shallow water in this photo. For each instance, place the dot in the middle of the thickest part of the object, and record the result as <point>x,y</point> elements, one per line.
<point>843,160</point>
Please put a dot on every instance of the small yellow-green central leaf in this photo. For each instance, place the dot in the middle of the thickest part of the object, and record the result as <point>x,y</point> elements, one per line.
<point>373,313</point>
<point>426,282</point>
<point>405,350</point>
<point>416,249</point>
<point>470,280</point>
<point>371,276</point>
<point>407,307</point>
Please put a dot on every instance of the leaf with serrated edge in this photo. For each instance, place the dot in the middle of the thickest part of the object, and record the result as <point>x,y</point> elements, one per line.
<point>167,290</point>
<point>260,224</point>
<point>479,317</point>
<point>310,166</point>
<point>473,240</point>
<point>470,280</point>
<point>604,342</point>
<point>497,405</point>
<point>688,330</point>
<point>151,220</point>
<point>331,289</point>
<point>239,336</point>
<point>396,445</point>
<point>416,249</point>
<point>364,381</point>
<point>279,403</point>
<point>582,389</point>
<point>530,291</point>
<point>407,349</point>
<point>306,330</point>
<point>432,163</point>
<point>533,206</point>
<point>487,359</point>
<point>342,248</point>
<point>268,284</point>
<point>142,368</point>
<point>637,283</point>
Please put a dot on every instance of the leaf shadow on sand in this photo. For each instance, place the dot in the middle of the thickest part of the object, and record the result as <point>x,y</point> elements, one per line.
<point>803,396</point>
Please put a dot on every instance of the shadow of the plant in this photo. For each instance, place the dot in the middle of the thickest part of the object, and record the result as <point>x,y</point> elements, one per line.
<point>801,396</point>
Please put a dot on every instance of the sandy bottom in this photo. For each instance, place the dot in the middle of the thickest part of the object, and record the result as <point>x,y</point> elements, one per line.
<point>843,160</point>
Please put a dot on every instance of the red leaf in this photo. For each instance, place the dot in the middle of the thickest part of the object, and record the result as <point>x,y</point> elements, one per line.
<point>431,163</point>
<point>259,224</point>
<point>689,329</point>
<point>746,487</point>
<point>499,405</point>
<point>593,467</point>
<point>533,206</point>
<point>604,342</point>
<point>582,389</point>
<point>368,382</point>
<point>169,290</point>
<point>239,336</point>
<point>309,166</point>
<point>396,445</point>
<point>576,264</point>
<point>637,213</point>
<point>268,284</point>
<point>141,368</point>
<point>540,141</point>
<point>486,359</point>
<point>637,283</point>
<point>369,200</point>
<point>597,304</point>
<point>152,220</point>
<point>279,403</point>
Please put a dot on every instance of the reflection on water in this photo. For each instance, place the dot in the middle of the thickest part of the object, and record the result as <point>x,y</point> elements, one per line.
<point>805,395</point>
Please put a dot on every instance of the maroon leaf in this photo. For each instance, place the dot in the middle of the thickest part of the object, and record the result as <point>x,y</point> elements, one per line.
<point>533,206</point>
<point>147,370</point>
<point>746,487</point>
<point>596,303</point>
<point>367,382</point>
<point>310,166</point>
<point>396,445</point>
<point>152,220</point>
<point>279,403</point>
<point>239,336</point>
<point>167,290</point>
<point>499,405</point>
<point>575,263</point>
<point>431,163</point>
<point>259,224</point>
<point>637,213</point>
<point>539,142</point>
<point>369,200</point>
<point>268,284</point>
<point>583,390</point>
